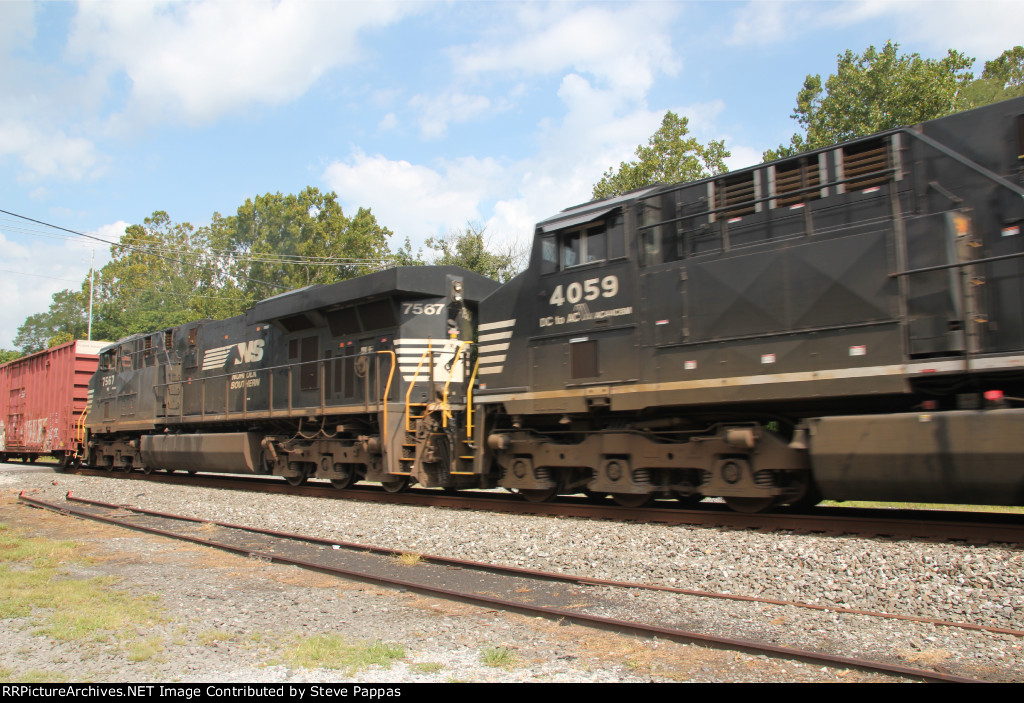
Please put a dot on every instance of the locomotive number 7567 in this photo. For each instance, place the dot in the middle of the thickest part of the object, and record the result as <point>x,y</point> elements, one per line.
<point>421,309</point>
<point>590,289</point>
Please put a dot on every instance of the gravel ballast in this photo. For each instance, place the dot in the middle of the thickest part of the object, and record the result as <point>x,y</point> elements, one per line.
<point>259,607</point>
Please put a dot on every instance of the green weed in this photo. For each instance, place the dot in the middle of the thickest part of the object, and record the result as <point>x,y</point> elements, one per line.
<point>329,651</point>
<point>498,657</point>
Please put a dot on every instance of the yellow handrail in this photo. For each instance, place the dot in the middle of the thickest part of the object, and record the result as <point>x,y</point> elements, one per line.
<point>412,384</point>
<point>469,401</point>
<point>81,425</point>
<point>387,390</point>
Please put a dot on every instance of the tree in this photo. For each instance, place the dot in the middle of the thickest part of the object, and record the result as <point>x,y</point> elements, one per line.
<point>59,338</point>
<point>469,249</point>
<point>161,274</point>
<point>669,157</point>
<point>281,242</point>
<point>67,319</point>
<point>1003,78</point>
<point>1008,69</point>
<point>874,91</point>
<point>7,355</point>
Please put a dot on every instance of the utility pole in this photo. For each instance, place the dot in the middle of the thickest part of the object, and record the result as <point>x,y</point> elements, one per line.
<point>92,271</point>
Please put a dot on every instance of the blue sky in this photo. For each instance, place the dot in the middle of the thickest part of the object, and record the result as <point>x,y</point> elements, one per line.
<point>432,114</point>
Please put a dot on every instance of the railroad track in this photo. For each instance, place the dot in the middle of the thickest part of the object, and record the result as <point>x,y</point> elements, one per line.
<point>974,528</point>
<point>561,597</point>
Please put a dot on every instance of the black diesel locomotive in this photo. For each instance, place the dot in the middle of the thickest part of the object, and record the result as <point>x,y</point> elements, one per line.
<point>846,323</point>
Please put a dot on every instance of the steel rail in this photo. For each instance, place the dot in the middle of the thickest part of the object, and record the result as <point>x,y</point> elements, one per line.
<point>559,577</point>
<point>559,614</point>
<point>915,526</point>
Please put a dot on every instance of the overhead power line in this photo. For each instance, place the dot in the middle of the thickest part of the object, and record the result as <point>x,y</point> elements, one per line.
<point>143,246</point>
<point>131,248</point>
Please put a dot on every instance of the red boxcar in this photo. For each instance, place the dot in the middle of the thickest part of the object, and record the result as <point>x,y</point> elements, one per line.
<point>42,400</point>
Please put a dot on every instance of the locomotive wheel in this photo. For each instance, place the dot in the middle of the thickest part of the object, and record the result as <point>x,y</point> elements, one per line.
<point>147,469</point>
<point>296,480</point>
<point>170,471</point>
<point>632,500</point>
<point>538,495</point>
<point>749,505</point>
<point>811,497</point>
<point>343,481</point>
<point>395,486</point>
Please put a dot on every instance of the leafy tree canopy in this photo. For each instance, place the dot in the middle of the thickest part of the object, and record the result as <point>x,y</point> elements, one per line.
<point>67,319</point>
<point>294,241</point>
<point>164,273</point>
<point>1002,79</point>
<point>1008,69</point>
<point>161,274</point>
<point>874,91</point>
<point>670,156</point>
<point>9,355</point>
<point>471,250</point>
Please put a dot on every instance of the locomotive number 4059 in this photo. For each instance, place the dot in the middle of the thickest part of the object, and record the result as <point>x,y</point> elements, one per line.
<point>590,289</point>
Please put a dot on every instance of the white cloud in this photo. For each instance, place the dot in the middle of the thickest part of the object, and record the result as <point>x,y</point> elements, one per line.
<point>50,154</point>
<point>620,46</point>
<point>742,156</point>
<point>34,270</point>
<point>388,122</point>
<point>981,28</point>
<point>17,25</point>
<point>197,61</point>
<point>412,200</point>
<point>451,107</point>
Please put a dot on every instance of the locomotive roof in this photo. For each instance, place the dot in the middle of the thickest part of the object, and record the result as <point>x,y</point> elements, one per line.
<point>960,121</point>
<point>410,281</point>
<point>579,214</point>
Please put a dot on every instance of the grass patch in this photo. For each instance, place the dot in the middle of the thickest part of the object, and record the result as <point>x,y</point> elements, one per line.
<point>208,637</point>
<point>35,552</point>
<point>333,652</point>
<point>924,506</point>
<point>32,585</point>
<point>426,667</point>
<point>409,558</point>
<point>145,650</point>
<point>32,676</point>
<point>498,657</point>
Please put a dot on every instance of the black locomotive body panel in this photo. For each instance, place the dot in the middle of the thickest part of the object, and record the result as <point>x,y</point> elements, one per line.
<point>794,280</point>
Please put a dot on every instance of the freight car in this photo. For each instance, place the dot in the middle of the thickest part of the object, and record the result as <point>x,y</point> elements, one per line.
<point>43,400</point>
<point>845,323</point>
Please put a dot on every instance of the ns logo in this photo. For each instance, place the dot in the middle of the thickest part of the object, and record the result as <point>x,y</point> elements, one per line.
<point>249,352</point>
